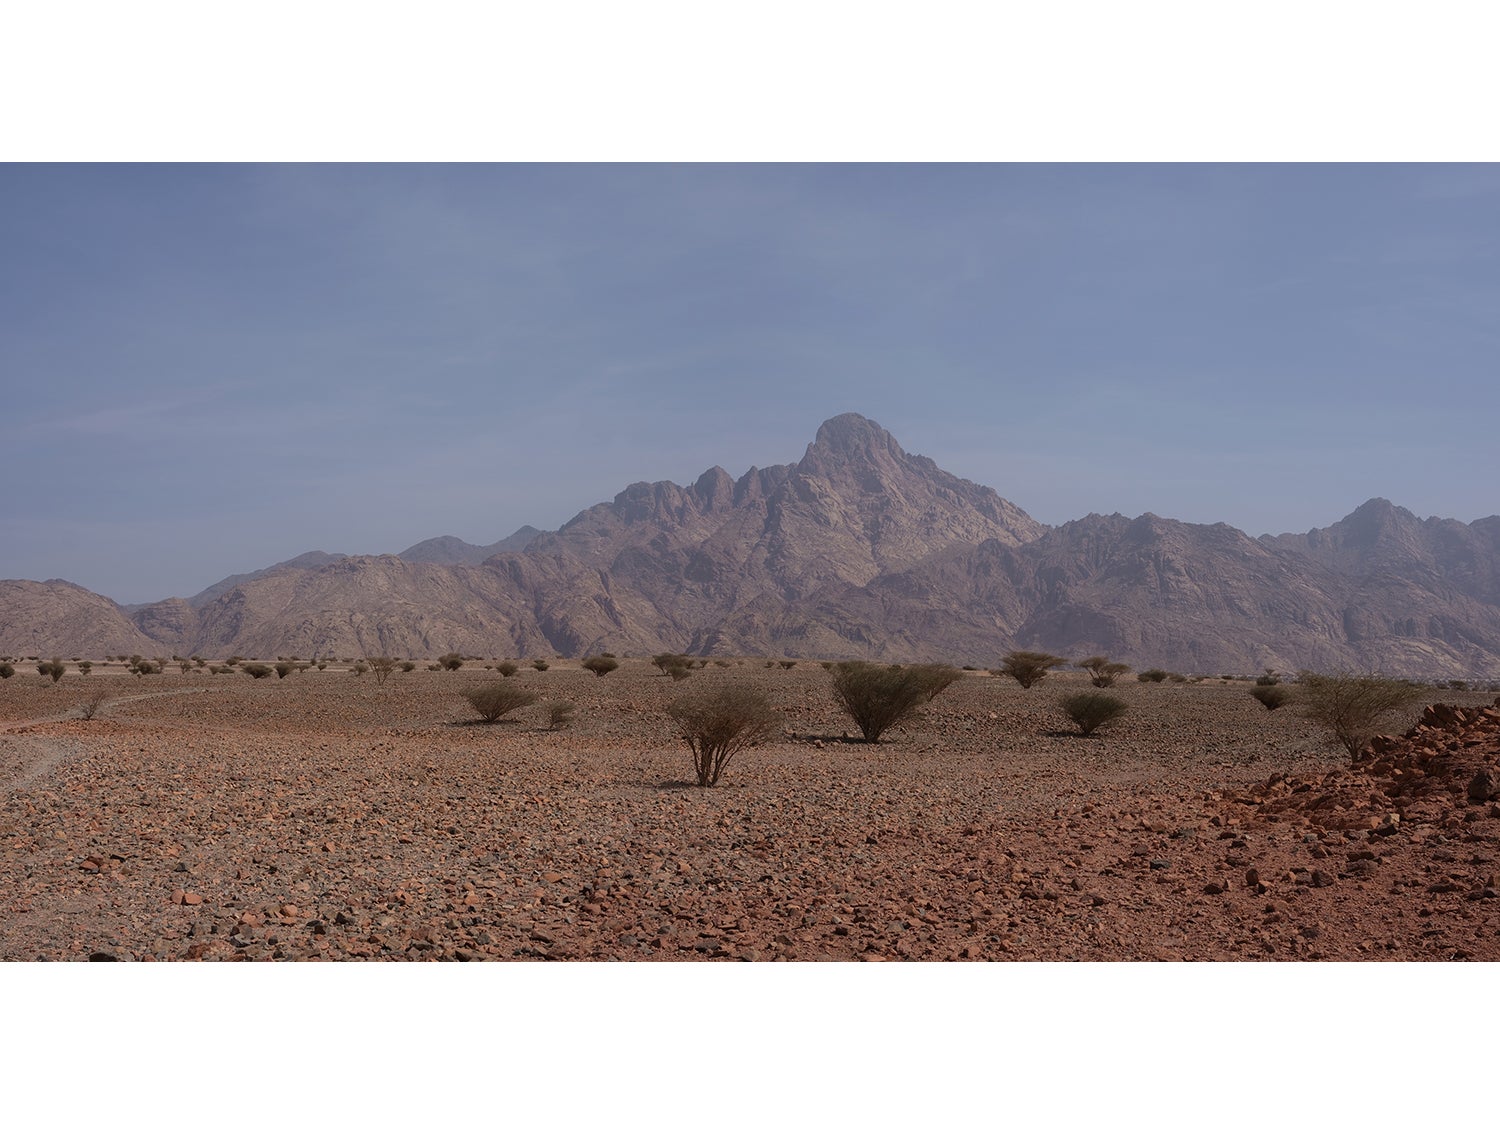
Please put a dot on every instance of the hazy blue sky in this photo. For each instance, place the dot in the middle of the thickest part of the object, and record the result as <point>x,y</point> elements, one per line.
<point>210,369</point>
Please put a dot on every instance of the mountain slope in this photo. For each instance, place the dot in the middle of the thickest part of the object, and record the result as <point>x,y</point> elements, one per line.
<point>858,549</point>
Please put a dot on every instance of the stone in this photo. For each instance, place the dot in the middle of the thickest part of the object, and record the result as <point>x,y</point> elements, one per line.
<point>1482,787</point>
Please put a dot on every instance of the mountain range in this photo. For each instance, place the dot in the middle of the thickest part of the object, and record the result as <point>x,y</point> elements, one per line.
<point>858,550</point>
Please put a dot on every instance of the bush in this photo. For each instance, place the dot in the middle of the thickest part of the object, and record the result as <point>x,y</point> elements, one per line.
<point>256,671</point>
<point>1271,696</point>
<point>1092,709</point>
<point>53,668</point>
<point>220,669</point>
<point>1151,676</point>
<point>600,665</point>
<point>540,665</point>
<point>717,725</point>
<point>559,714</point>
<point>381,667</point>
<point>90,706</point>
<point>493,700</point>
<point>507,668</point>
<point>85,667</point>
<point>669,662</point>
<point>359,668</point>
<point>451,662</point>
<point>7,670</point>
<point>1102,671</point>
<point>283,669</point>
<point>787,664</point>
<point>1029,668</point>
<point>408,666</point>
<point>1350,707</point>
<point>878,697</point>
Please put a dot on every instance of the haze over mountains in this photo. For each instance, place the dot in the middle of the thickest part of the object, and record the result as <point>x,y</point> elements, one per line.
<point>859,549</point>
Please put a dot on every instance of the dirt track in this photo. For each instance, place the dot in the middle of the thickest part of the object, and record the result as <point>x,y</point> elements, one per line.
<point>326,817</point>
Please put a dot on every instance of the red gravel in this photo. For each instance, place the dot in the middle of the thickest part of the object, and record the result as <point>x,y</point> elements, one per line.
<point>324,817</point>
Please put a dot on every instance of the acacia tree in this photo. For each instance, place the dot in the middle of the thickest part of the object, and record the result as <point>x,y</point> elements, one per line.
<point>1029,668</point>
<point>879,696</point>
<point>1103,671</point>
<point>1350,708</point>
<point>717,725</point>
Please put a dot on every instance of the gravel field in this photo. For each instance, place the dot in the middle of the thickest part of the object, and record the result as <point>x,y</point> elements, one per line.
<point>327,817</point>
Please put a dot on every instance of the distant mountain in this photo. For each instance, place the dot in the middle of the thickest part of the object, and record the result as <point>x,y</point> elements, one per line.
<point>858,549</point>
<point>309,560</point>
<point>450,551</point>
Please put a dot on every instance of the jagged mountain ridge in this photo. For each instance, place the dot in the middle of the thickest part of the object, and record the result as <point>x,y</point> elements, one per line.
<point>860,549</point>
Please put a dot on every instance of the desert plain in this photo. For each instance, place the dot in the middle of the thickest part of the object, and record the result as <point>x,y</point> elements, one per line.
<point>328,817</point>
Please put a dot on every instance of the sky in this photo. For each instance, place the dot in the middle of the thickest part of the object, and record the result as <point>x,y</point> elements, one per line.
<point>211,368</point>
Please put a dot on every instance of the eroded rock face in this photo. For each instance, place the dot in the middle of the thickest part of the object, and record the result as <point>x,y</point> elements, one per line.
<point>860,549</point>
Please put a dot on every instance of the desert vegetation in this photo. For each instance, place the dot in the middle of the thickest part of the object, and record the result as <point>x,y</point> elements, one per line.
<point>1351,708</point>
<point>600,665</point>
<point>493,701</point>
<point>1028,668</point>
<point>380,667</point>
<point>1102,671</point>
<point>1091,710</point>
<point>719,723</point>
<point>880,697</point>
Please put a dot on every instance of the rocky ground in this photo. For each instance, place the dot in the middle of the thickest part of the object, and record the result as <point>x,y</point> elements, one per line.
<point>327,817</point>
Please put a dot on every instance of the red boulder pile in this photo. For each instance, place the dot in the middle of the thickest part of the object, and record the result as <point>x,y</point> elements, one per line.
<point>1445,771</point>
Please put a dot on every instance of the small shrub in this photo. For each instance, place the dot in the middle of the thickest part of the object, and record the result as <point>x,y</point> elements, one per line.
<point>1271,696</point>
<point>507,668</point>
<point>434,667</point>
<point>718,724</point>
<point>7,670</point>
<point>492,700</point>
<point>1350,708</point>
<point>721,664</point>
<point>408,666</point>
<point>256,671</point>
<point>1151,676</point>
<point>559,714</point>
<point>90,706</point>
<point>284,669</point>
<point>220,669</point>
<point>1092,709</point>
<point>609,656</point>
<point>359,668</point>
<point>381,667</point>
<point>600,665</point>
<point>679,672</point>
<point>451,661</point>
<point>540,665</point>
<point>788,664</point>
<point>85,667</point>
<point>880,697</point>
<point>232,661</point>
<point>1459,685</point>
<point>1103,671</point>
<point>53,668</point>
<point>1268,679</point>
<point>1029,668</point>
